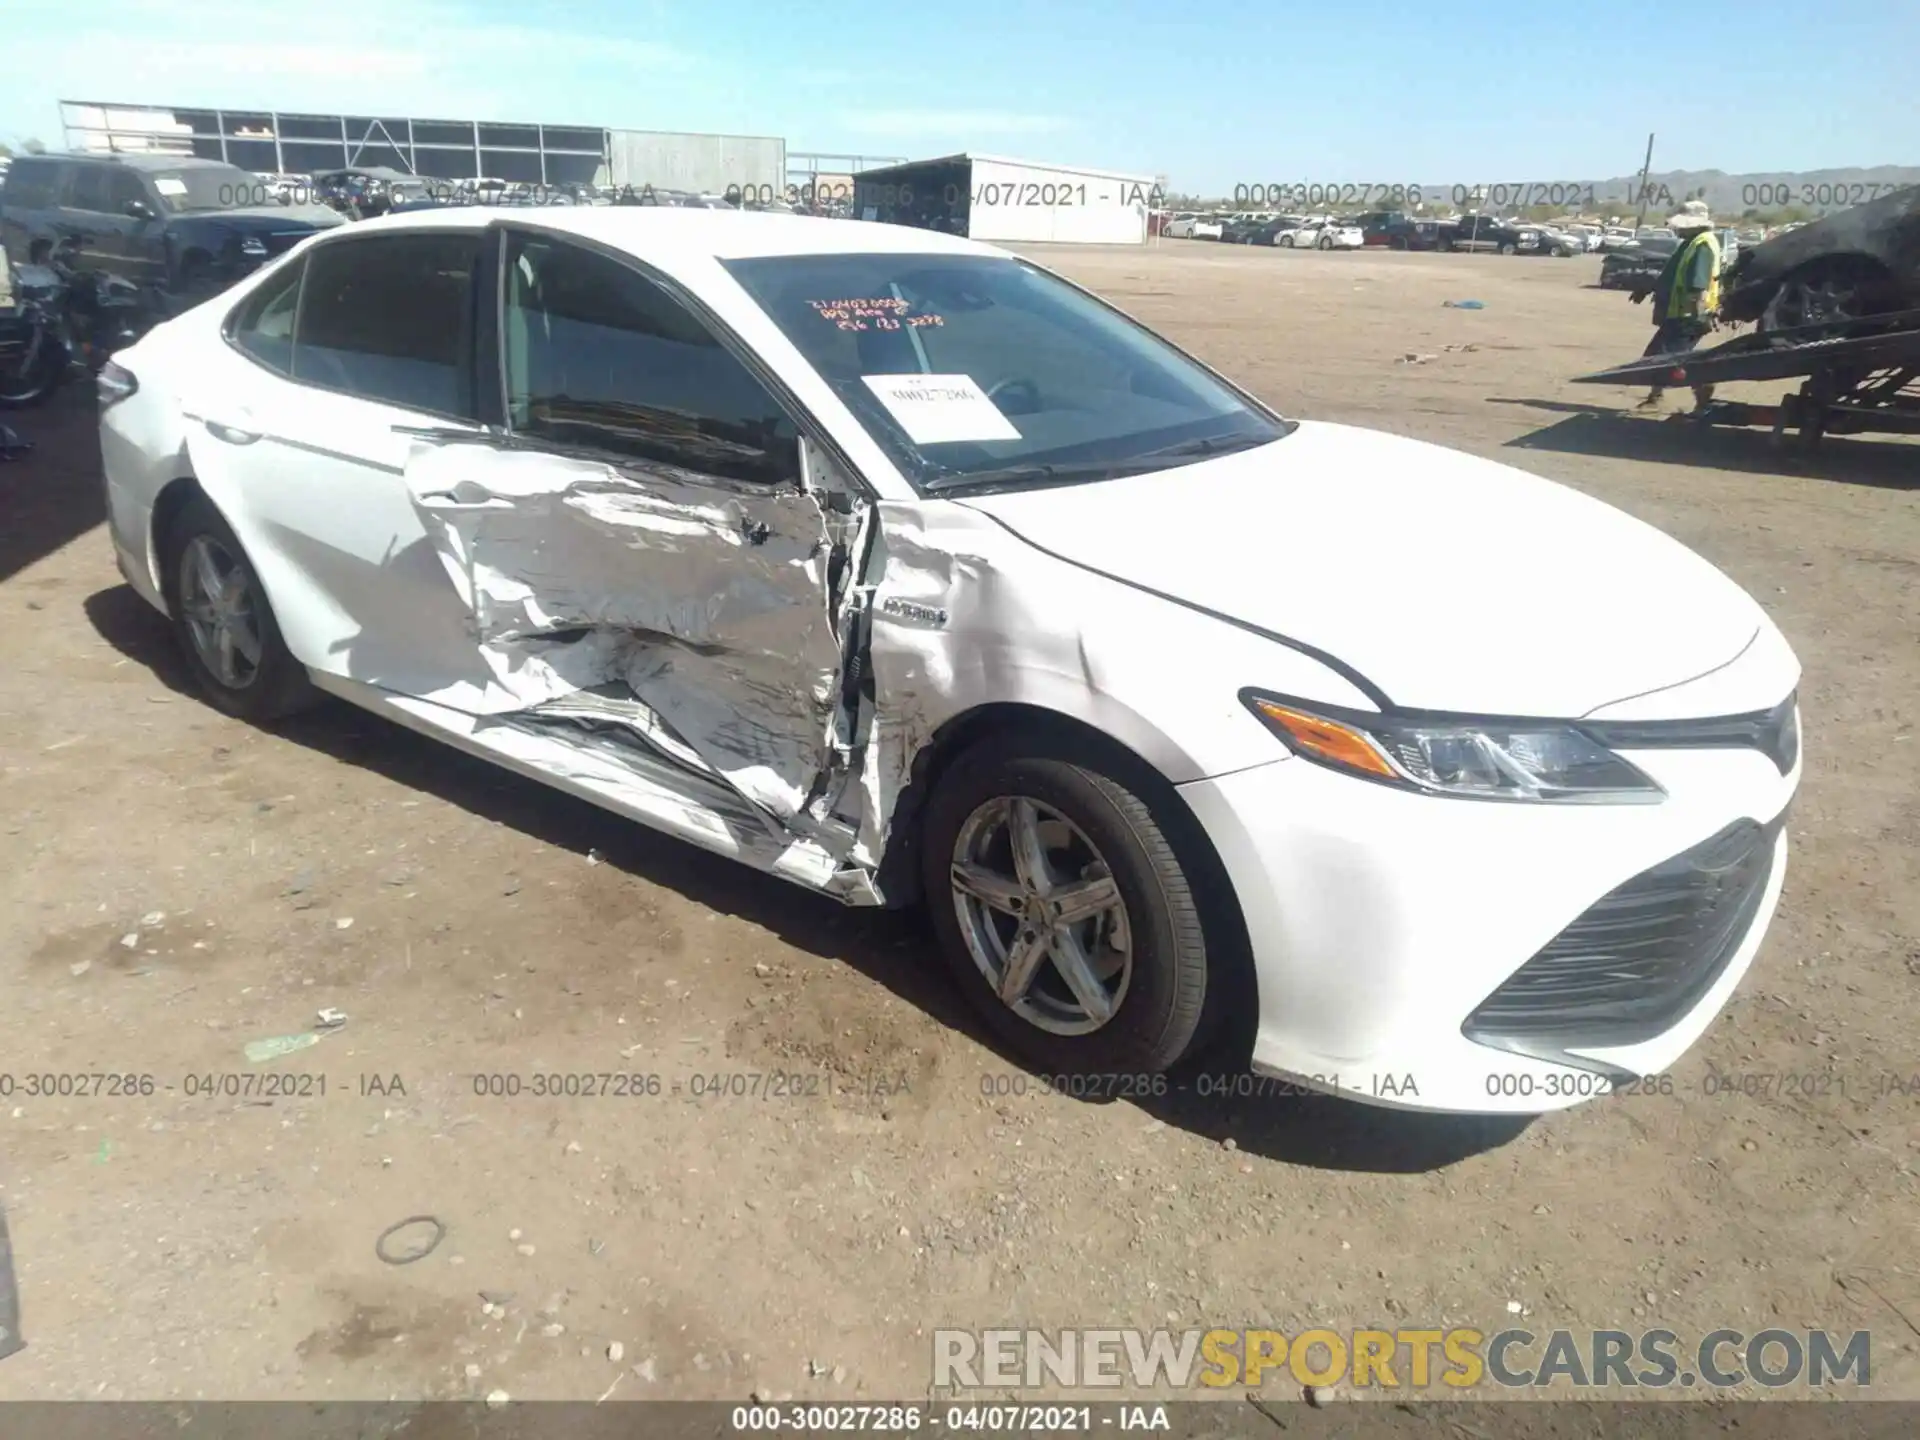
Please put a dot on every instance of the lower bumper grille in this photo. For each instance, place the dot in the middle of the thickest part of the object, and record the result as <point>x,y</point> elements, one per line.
<point>1640,957</point>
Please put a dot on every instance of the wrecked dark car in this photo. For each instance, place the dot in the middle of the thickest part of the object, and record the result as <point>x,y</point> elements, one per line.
<point>178,228</point>
<point>1861,261</point>
<point>1637,264</point>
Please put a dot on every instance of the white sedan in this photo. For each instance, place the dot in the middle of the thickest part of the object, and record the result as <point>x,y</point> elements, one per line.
<point>1322,232</point>
<point>1207,227</point>
<point>893,565</point>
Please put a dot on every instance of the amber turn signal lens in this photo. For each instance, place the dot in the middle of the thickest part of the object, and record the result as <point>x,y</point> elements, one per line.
<point>1326,739</point>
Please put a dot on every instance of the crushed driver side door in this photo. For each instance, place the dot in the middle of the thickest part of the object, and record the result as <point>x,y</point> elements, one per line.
<point>649,563</point>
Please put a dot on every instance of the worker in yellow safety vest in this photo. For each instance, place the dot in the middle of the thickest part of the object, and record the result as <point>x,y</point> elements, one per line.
<point>1687,294</point>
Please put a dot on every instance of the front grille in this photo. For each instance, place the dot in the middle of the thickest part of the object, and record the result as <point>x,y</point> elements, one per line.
<point>1639,958</point>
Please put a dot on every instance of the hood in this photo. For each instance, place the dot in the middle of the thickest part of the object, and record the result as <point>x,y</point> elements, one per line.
<point>1448,581</point>
<point>262,219</point>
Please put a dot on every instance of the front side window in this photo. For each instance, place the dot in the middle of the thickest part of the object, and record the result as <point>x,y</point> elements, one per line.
<point>263,324</point>
<point>123,189</point>
<point>599,355</point>
<point>1026,379</point>
<point>390,318</point>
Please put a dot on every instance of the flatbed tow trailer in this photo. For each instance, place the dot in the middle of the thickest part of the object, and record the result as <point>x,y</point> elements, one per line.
<point>1860,376</point>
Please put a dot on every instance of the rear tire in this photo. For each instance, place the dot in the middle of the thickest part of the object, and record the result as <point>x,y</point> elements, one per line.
<point>17,392</point>
<point>1142,957</point>
<point>223,622</point>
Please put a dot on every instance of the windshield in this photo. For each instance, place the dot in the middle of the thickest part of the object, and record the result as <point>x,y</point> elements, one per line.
<point>982,370</point>
<point>209,187</point>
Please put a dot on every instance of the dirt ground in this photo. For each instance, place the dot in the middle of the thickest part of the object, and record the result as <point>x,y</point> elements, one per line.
<point>174,885</point>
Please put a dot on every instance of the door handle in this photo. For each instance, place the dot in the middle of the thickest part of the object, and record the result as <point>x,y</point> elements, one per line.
<point>453,504</point>
<point>230,434</point>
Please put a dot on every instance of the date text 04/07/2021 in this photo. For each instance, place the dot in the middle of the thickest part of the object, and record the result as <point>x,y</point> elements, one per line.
<point>1019,194</point>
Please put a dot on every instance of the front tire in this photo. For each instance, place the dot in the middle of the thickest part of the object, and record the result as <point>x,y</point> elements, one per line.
<point>1063,911</point>
<point>224,625</point>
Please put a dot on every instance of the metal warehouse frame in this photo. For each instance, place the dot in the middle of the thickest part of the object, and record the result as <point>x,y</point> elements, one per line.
<point>805,167</point>
<point>440,149</point>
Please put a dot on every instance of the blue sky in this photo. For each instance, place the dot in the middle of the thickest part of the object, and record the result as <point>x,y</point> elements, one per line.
<point>1207,92</point>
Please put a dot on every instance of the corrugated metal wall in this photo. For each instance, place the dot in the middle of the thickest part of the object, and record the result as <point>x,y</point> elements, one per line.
<point>1013,202</point>
<point>703,163</point>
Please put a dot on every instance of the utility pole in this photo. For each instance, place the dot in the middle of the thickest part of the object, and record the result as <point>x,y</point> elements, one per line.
<point>1646,169</point>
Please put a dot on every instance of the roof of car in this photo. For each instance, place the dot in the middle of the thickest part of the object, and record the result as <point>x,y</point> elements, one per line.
<point>145,160</point>
<point>721,234</point>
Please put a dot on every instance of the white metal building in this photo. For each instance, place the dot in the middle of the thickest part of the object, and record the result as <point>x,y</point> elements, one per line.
<point>993,198</point>
<point>281,143</point>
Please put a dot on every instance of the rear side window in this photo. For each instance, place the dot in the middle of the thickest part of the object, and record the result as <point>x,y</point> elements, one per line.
<point>263,325</point>
<point>390,318</point>
<point>31,184</point>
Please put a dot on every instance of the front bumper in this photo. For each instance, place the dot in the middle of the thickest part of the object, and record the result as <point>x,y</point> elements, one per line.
<point>1389,928</point>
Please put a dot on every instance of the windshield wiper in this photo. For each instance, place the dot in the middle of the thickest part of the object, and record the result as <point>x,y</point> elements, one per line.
<point>1064,471</point>
<point>1056,471</point>
<point>1222,445</point>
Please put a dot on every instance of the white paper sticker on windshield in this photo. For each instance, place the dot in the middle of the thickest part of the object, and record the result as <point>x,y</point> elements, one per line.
<point>939,409</point>
<point>167,185</point>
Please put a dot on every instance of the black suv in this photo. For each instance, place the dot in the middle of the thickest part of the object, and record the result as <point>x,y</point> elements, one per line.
<point>179,228</point>
<point>1484,232</point>
<point>1397,230</point>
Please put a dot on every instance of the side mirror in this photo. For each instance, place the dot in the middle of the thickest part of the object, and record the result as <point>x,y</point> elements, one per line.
<point>138,209</point>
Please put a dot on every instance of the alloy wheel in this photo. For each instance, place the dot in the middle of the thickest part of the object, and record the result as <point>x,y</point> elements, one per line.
<point>1041,915</point>
<point>218,600</point>
<point>1825,300</point>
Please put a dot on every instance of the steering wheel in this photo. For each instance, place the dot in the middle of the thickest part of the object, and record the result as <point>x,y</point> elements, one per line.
<point>1016,385</point>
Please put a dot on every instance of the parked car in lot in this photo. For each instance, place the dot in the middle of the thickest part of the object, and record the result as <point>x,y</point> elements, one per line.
<point>365,192</point>
<point>1271,232</point>
<point>1207,227</point>
<point>1005,604</point>
<point>1613,237</point>
<point>1396,230</point>
<point>1301,234</point>
<point>1860,261</point>
<point>1504,237</point>
<point>1637,265</point>
<point>1241,229</point>
<point>1180,226</point>
<point>1333,234</point>
<point>178,228</point>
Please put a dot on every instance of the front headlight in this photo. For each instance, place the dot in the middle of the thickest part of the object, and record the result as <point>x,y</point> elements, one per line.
<point>1460,756</point>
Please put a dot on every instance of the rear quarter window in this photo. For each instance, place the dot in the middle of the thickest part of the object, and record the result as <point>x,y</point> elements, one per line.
<point>31,184</point>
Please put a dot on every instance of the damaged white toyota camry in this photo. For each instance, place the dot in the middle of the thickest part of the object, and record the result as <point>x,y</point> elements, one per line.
<point>894,565</point>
